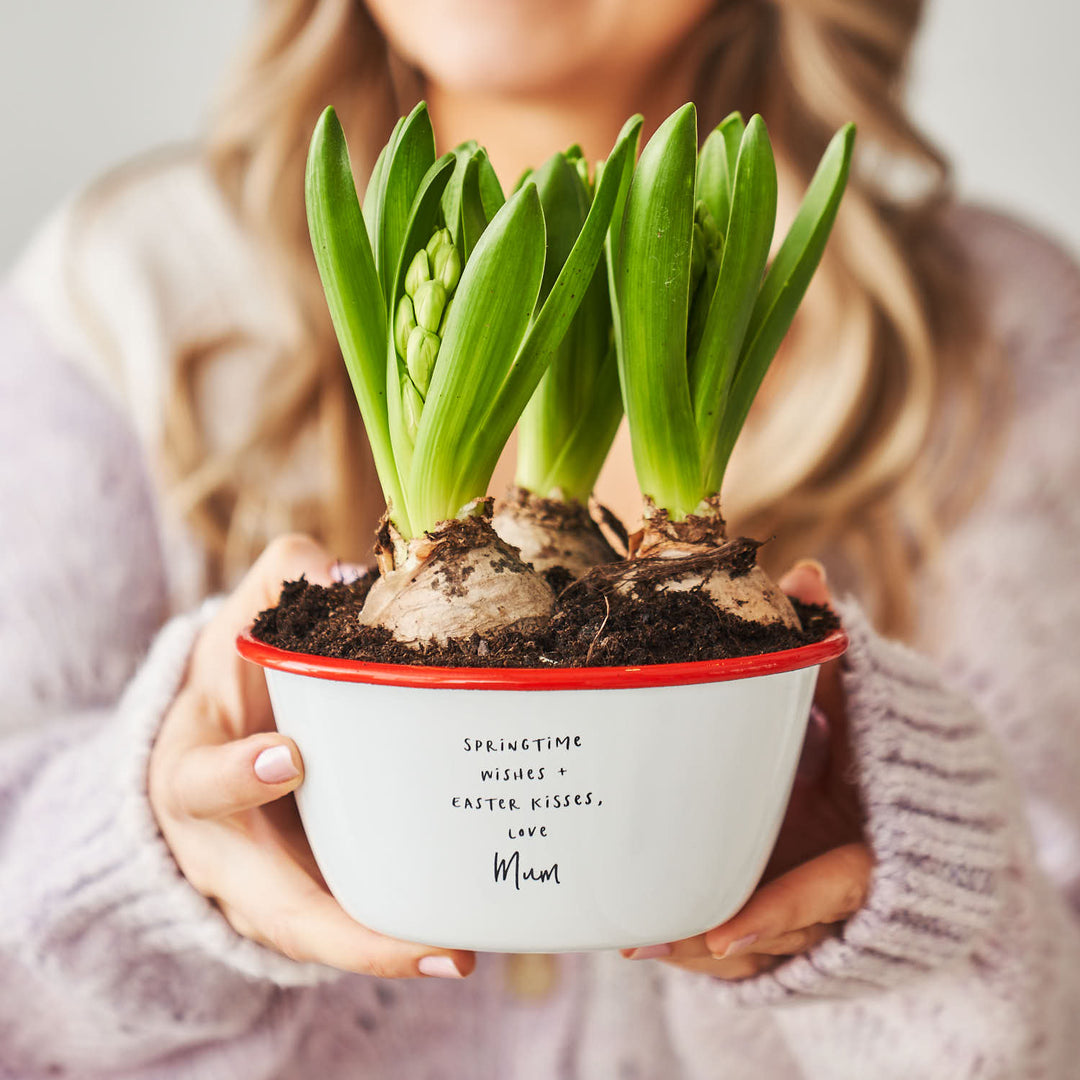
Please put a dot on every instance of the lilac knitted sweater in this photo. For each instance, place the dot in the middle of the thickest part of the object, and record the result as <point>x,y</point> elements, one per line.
<point>965,961</point>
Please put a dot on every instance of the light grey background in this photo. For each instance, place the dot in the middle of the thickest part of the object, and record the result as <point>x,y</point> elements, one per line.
<point>87,83</point>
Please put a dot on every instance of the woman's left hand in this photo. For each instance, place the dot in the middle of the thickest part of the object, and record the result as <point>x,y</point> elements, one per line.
<point>819,872</point>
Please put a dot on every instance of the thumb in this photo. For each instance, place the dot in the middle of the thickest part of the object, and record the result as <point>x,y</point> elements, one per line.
<point>806,582</point>
<point>214,780</point>
<point>824,890</point>
<point>285,559</point>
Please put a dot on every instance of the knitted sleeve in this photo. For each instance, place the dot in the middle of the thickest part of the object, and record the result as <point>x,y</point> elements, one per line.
<point>108,958</point>
<point>1007,624</point>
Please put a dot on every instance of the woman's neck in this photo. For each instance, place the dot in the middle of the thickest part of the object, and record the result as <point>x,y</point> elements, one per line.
<point>520,131</point>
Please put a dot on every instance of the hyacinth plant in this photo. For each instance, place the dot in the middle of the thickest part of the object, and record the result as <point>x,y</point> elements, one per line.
<point>567,428</point>
<point>435,290</point>
<point>700,314</point>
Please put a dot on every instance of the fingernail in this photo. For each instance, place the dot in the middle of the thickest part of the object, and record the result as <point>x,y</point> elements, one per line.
<point>813,564</point>
<point>275,765</point>
<point>650,952</point>
<point>815,748</point>
<point>345,573</point>
<point>441,967</point>
<point>738,946</point>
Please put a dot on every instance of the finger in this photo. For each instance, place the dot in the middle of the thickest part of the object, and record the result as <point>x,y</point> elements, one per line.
<point>239,687</point>
<point>692,950</point>
<point>287,558</point>
<point>793,942</point>
<point>214,780</point>
<point>269,898</point>
<point>823,890</point>
<point>691,954</point>
<point>806,582</point>
<point>739,967</point>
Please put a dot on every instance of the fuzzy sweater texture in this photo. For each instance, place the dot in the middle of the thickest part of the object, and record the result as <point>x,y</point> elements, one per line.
<point>964,962</point>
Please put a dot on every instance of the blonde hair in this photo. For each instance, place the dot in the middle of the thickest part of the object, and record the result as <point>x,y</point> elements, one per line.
<point>872,416</point>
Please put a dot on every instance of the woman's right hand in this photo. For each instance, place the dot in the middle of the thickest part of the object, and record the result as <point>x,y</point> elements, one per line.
<point>218,777</point>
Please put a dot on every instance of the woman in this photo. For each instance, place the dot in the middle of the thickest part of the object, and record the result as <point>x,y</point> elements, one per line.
<point>172,398</point>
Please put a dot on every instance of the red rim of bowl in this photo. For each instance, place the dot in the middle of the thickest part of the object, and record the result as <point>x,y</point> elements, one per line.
<point>501,678</point>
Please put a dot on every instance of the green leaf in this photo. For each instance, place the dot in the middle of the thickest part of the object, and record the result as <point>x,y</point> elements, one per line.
<point>732,129</point>
<point>562,393</point>
<point>375,194</point>
<point>631,132</point>
<point>457,445</point>
<point>745,253</point>
<point>375,191</point>
<point>716,167</point>
<point>566,205</point>
<point>408,158</point>
<point>557,312</point>
<point>700,303</point>
<point>652,281</point>
<point>343,255</point>
<point>491,192</point>
<point>472,198</point>
<point>473,219</point>
<point>402,432</point>
<point>786,283</point>
<point>567,427</point>
<point>451,202</point>
<point>423,217</point>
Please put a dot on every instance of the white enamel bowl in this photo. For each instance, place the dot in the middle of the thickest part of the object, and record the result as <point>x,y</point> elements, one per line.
<point>653,802</point>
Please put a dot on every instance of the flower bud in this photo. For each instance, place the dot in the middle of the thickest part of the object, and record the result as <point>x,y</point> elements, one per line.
<point>446,266</point>
<point>428,303</point>
<point>404,324</point>
<point>697,258</point>
<point>710,233</point>
<point>439,239</point>
<point>420,357</point>
<point>419,271</point>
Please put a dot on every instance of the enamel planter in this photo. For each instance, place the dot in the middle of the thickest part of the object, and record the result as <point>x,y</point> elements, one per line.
<point>543,810</point>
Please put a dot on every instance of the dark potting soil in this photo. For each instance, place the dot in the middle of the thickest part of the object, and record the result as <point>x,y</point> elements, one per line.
<point>590,628</point>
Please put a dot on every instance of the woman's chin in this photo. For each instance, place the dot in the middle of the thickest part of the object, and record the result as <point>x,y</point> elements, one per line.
<point>495,46</point>
<point>493,78</point>
<point>499,67</point>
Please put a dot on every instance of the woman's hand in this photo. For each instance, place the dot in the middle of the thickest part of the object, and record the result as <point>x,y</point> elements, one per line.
<point>819,871</point>
<point>218,777</point>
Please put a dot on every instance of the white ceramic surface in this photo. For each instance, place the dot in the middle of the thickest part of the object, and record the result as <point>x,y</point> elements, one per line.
<point>648,815</point>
